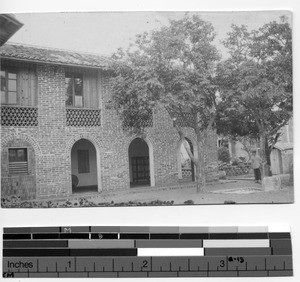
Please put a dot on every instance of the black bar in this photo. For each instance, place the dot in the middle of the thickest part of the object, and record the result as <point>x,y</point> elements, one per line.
<point>74,236</point>
<point>16,236</point>
<point>134,235</point>
<point>164,236</point>
<point>280,235</point>
<point>223,236</point>
<point>36,252</point>
<point>194,236</point>
<point>35,244</point>
<point>253,236</point>
<point>45,236</point>
<point>104,236</point>
<point>103,252</point>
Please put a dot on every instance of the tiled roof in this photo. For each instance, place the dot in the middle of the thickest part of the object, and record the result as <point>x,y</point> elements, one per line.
<point>54,56</point>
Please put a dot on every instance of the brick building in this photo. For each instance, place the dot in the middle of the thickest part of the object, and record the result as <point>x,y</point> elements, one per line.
<point>58,136</point>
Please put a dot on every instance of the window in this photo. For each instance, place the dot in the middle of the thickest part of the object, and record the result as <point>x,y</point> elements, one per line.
<point>83,161</point>
<point>74,90</point>
<point>18,160</point>
<point>9,87</point>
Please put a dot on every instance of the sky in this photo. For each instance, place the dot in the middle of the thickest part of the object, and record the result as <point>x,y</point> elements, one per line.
<point>104,32</point>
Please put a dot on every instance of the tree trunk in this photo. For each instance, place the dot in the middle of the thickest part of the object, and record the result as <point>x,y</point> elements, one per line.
<point>268,159</point>
<point>200,164</point>
<point>263,154</point>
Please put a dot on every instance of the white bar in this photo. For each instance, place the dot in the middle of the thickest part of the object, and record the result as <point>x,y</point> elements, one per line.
<point>252,229</point>
<point>240,243</point>
<point>170,252</point>
<point>279,228</point>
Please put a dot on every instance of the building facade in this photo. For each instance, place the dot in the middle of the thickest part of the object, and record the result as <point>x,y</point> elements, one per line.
<point>58,137</point>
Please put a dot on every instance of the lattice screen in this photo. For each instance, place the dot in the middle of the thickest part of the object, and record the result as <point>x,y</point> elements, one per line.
<point>186,172</point>
<point>19,116</point>
<point>83,117</point>
<point>180,121</point>
<point>144,122</point>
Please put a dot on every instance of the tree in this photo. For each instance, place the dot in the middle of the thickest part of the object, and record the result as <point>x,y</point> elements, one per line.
<point>256,84</point>
<point>174,68</point>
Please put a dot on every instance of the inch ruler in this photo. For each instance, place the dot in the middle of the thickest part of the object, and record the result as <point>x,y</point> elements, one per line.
<point>128,251</point>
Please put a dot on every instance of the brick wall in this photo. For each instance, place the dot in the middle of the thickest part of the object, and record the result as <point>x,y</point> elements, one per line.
<point>52,142</point>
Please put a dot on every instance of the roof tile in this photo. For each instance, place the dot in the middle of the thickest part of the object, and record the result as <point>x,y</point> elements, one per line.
<point>55,56</point>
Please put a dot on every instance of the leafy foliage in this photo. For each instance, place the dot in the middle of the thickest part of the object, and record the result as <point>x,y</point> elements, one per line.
<point>256,83</point>
<point>223,155</point>
<point>172,68</point>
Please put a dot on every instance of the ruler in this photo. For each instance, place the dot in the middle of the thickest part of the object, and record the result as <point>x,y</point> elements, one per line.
<point>140,251</point>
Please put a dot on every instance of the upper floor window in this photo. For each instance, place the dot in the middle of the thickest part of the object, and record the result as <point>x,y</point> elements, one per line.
<point>74,90</point>
<point>9,87</point>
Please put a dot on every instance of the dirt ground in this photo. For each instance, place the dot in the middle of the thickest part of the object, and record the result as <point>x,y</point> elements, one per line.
<point>228,191</point>
<point>233,191</point>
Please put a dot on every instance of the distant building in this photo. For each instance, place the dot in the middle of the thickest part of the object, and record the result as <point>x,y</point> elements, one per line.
<point>59,138</point>
<point>282,154</point>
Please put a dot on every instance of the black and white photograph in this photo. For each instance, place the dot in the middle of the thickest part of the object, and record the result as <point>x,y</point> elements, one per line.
<point>110,109</point>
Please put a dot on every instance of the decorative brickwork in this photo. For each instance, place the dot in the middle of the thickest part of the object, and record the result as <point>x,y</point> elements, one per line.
<point>182,121</point>
<point>19,116</point>
<point>147,121</point>
<point>83,117</point>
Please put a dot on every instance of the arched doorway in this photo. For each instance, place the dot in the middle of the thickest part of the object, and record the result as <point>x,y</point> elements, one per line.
<point>140,163</point>
<point>185,165</point>
<point>84,167</point>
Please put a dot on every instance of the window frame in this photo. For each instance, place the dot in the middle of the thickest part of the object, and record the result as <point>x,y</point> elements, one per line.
<point>10,170</point>
<point>8,70</point>
<point>73,75</point>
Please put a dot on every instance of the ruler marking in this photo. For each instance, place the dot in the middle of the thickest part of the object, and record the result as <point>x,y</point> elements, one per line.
<point>265,263</point>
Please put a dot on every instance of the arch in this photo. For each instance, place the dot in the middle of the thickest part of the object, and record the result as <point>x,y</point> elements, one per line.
<point>150,156</point>
<point>24,137</point>
<point>96,144</point>
<point>179,157</point>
